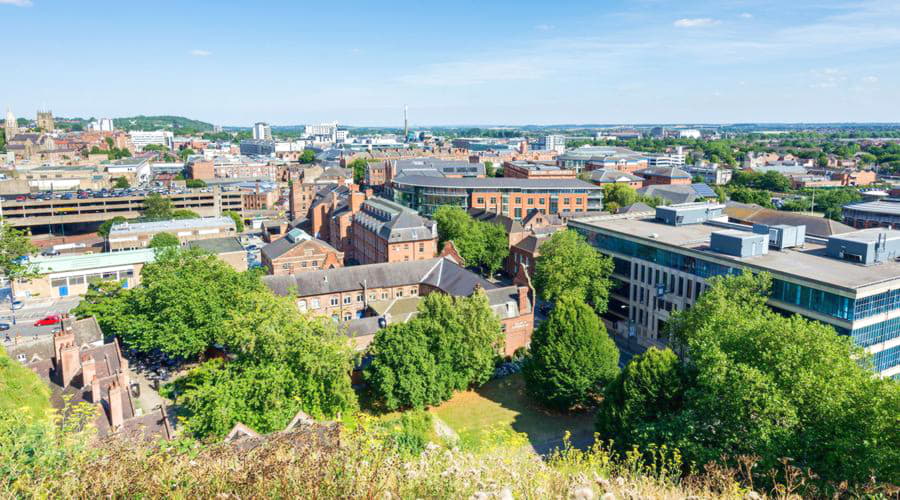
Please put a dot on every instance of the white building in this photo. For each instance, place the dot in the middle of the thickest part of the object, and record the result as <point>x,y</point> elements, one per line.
<point>553,143</point>
<point>342,135</point>
<point>101,125</point>
<point>262,131</point>
<point>137,168</point>
<point>141,138</point>
<point>288,146</point>
<point>326,131</point>
<point>690,133</point>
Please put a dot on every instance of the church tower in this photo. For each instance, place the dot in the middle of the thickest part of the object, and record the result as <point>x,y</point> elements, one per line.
<point>45,121</point>
<point>11,128</point>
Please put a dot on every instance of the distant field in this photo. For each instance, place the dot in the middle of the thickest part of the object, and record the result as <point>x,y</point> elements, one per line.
<point>500,406</point>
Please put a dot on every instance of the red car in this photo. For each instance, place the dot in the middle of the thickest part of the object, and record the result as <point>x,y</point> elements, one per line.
<point>49,320</point>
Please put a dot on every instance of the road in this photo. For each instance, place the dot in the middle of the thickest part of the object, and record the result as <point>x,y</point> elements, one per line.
<point>33,310</point>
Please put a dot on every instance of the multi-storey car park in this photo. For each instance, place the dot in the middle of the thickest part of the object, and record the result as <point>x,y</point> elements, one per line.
<point>850,281</point>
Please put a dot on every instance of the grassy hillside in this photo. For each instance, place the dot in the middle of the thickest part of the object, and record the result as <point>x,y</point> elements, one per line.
<point>161,122</point>
<point>21,391</point>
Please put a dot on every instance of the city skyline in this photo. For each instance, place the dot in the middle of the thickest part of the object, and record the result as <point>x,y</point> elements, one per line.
<point>500,64</point>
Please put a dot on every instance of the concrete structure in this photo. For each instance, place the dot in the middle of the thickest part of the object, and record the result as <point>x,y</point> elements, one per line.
<point>711,174</point>
<point>351,293</point>
<point>131,236</point>
<point>228,249</point>
<point>66,178</point>
<point>76,363</point>
<point>140,138</point>
<point>883,213</point>
<point>70,275</point>
<point>298,252</point>
<point>660,268</point>
<point>535,170</point>
<point>262,132</point>
<point>384,231</point>
<point>553,142</point>
<point>136,170</point>
<point>511,197</point>
<point>257,147</point>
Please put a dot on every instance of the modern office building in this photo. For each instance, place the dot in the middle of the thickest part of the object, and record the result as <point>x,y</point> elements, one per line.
<point>140,138</point>
<point>602,157</point>
<point>850,281</point>
<point>257,147</point>
<point>510,197</point>
<point>262,132</point>
<point>553,142</point>
<point>535,170</point>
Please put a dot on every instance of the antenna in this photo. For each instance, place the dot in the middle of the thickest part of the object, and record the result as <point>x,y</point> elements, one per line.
<point>405,123</point>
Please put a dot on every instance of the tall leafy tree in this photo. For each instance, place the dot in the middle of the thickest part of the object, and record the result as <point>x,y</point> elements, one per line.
<point>569,264</point>
<point>164,240</point>
<point>618,195</point>
<point>15,248</point>
<point>104,228</point>
<point>480,244</point>
<point>403,373</point>
<point>157,208</point>
<point>571,358</point>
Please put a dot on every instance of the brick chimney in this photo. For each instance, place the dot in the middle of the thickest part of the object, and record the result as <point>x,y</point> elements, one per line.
<point>88,369</point>
<point>356,201</point>
<point>96,397</point>
<point>524,305</point>
<point>68,363</point>
<point>60,339</point>
<point>115,405</point>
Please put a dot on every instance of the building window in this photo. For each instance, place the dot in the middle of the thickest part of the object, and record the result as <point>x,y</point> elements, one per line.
<point>399,293</point>
<point>359,297</point>
<point>347,299</point>
<point>303,264</point>
<point>301,304</point>
<point>315,263</point>
<point>518,213</point>
<point>384,295</point>
<point>348,316</point>
<point>285,266</point>
<point>479,201</point>
<point>334,301</point>
<point>314,303</point>
<point>413,291</point>
<point>531,201</point>
<point>518,199</point>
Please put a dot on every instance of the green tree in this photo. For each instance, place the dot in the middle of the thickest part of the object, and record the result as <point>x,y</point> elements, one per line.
<point>480,244</point>
<point>644,394</point>
<point>185,153</point>
<point>15,248</point>
<point>164,240</point>
<point>238,220</point>
<point>157,208</point>
<point>569,264</point>
<point>758,383</point>
<point>195,183</point>
<point>156,147</point>
<point>121,183</point>
<point>103,230</point>
<point>308,156</point>
<point>489,169</point>
<point>618,195</point>
<point>773,181</point>
<point>450,345</point>
<point>571,358</point>
<point>284,362</point>
<point>359,167</point>
<point>183,213</point>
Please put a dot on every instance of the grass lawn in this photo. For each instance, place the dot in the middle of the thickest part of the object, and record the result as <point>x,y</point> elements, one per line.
<point>501,405</point>
<point>21,391</point>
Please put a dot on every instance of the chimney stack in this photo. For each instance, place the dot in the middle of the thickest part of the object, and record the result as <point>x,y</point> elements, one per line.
<point>60,339</point>
<point>115,405</point>
<point>96,397</point>
<point>524,306</point>
<point>88,369</point>
<point>68,363</point>
<point>356,201</point>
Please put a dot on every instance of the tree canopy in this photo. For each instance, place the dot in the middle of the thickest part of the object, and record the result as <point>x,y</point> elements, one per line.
<point>449,346</point>
<point>121,183</point>
<point>359,167</point>
<point>163,240</point>
<point>307,156</point>
<point>758,383</point>
<point>569,264</point>
<point>14,245</point>
<point>238,220</point>
<point>571,357</point>
<point>157,208</point>
<point>480,244</point>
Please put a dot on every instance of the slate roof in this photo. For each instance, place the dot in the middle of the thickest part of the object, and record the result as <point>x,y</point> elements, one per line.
<point>531,243</point>
<point>87,332</point>
<point>670,172</point>
<point>218,245</point>
<point>815,226</point>
<point>393,222</point>
<point>440,272</point>
<point>493,183</point>
<point>635,207</point>
<point>283,245</point>
<point>608,175</point>
<point>679,193</point>
<point>509,224</point>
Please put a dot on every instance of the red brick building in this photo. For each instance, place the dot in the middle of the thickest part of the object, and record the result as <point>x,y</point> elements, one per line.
<point>384,231</point>
<point>299,252</point>
<point>663,175</point>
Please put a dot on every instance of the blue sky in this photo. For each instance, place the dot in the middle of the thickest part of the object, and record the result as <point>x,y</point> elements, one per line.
<point>461,62</point>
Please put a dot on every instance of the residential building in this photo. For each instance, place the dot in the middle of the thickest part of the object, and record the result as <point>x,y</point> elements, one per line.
<point>298,252</point>
<point>70,274</point>
<point>689,133</point>
<point>257,147</point>
<point>136,170</point>
<point>511,197</point>
<point>553,142</point>
<point>141,138</point>
<point>849,281</point>
<point>663,175</point>
<point>535,170</point>
<point>262,132</point>
<point>228,249</point>
<point>131,235</point>
<point>711,173</point>
<point>331,213</point>
<point>348,294</point>
<point>384,231</point>
<point>81,369</point>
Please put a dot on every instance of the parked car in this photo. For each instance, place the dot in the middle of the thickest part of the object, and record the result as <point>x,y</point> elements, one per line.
<point>50,252</point>
<point>17,304</point>
<point>20,198</point>
<point>53,319</point>
<point>4,327</point>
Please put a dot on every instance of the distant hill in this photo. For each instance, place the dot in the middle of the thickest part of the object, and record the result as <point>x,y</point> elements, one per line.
<point>162,122</point>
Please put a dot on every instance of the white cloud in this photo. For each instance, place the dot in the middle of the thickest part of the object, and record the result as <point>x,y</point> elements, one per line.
<point>697,22</point>
<point>545,27</point>
<point>746,15</point>
<point>17,3</point>
<point>870,79</point>
<point>828,78</point>
<point>200,53</point>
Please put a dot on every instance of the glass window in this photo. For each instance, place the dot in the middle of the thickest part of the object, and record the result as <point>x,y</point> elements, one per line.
<point>301,304</point>
<point>76,280</point>
<point>314,303</point>
<point>334,301</point>
<point>347,299</point>
<point>58,282</point>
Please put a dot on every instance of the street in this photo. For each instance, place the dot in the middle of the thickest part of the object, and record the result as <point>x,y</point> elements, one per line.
<point>33,310</point>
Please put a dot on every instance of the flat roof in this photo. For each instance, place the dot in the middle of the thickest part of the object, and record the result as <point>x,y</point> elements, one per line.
<point>494,182</point>
<point>173,224</point>
<point>66,263</point>
<point>810,263</point>
<point>877,207</point>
